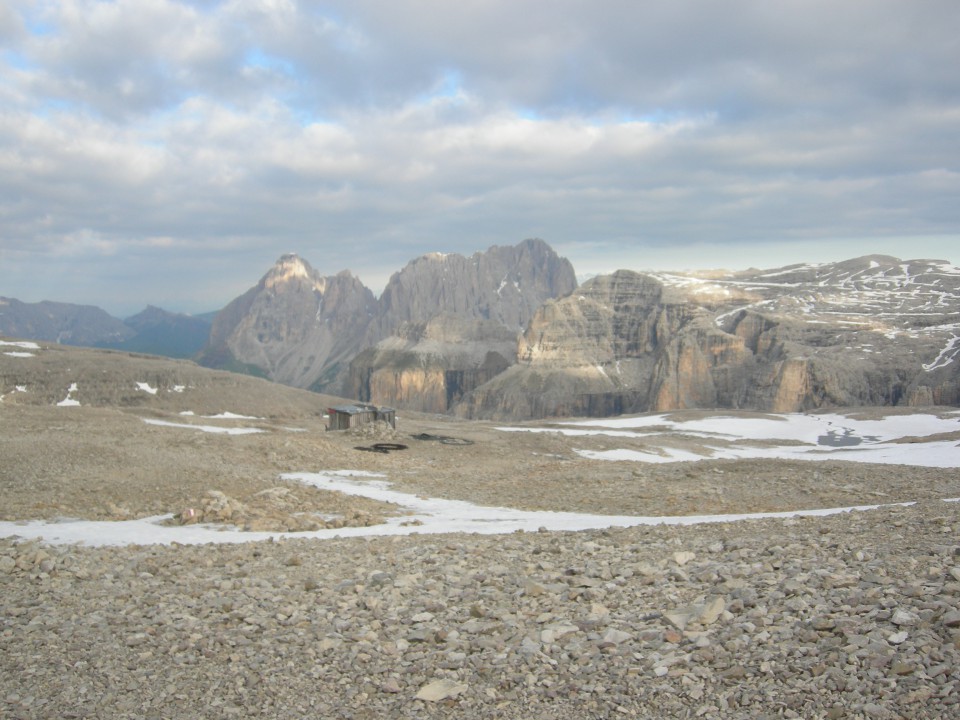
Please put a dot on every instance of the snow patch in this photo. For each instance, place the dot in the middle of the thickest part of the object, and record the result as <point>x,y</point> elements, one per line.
<point>25,345</point>
<point>18,388</point>
<point>204,428</point>
<point>946,356</point>
<point>822,437</point>
<point>433,515</point>
<point>790,437</point>
<point>69,400</point>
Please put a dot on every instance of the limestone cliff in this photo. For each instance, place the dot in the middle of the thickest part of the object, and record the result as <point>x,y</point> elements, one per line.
<point>430,366</point>
<point>869,331</point>
<point>495,336</point>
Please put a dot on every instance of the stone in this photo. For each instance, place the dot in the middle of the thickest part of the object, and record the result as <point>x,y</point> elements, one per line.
<point>440,690</point>
<point>952,618</point>
<point>552,633</point>
<point>712,610</point>
<point>823,623</point>
<point>533,588</point>
<point>903,617</point>
<point>598,613</point>
<point>391,685</point>
<point>902,668</point>
<point>737,672</point>
<point>614,637</point>
<point>680,617</point>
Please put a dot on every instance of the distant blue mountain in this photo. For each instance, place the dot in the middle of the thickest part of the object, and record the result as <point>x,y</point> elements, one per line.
<point>158,332</point>
<point>153,331</point>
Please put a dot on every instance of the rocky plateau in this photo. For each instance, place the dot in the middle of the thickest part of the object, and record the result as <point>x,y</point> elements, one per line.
<point>874,331</point>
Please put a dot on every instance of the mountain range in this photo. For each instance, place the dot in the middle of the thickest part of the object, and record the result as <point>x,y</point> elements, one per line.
<point>507,333</point>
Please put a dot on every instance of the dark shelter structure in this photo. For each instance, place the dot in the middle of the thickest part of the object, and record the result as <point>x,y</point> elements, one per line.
<point>344,417</point>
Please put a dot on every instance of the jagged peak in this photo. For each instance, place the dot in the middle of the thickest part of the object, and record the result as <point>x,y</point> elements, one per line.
<point>288,267</point>
<point>292,261</point>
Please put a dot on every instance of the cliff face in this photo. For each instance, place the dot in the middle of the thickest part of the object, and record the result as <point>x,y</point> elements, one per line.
<point>296,326</point>
<point>871,331</point>
<point>429,367</point>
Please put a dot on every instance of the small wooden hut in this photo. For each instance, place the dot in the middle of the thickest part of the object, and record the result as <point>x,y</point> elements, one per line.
<point>344,417</point>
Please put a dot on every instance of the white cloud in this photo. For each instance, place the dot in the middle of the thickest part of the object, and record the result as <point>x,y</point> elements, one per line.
<point>371,132</point>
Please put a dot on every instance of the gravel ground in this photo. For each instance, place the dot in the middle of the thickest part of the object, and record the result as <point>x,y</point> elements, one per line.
<point>849,616</point>
<point>842,617</point>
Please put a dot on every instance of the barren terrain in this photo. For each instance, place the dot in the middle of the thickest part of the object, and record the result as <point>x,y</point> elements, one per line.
<point>855,615</point>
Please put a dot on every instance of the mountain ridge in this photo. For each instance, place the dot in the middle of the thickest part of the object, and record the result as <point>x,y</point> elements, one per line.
<point>507,333</point>
<point>308,330</point>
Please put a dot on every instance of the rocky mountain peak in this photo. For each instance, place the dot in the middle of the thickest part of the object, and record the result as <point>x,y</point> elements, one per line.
<point>296,326</point>
<point>503,283</point>
<point>289,268</point>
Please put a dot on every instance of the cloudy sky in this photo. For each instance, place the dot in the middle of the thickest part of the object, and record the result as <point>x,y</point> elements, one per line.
<point>168,152</point>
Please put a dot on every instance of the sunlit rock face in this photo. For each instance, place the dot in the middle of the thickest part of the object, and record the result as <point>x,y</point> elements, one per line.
<point>869,331</point>
<point>450,323</point>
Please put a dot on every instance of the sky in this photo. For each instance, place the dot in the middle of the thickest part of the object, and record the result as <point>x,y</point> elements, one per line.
<point>168,152</point>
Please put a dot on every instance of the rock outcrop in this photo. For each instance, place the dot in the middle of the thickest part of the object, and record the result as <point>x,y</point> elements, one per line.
<point>869,331</point>
<point>447,324</point>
